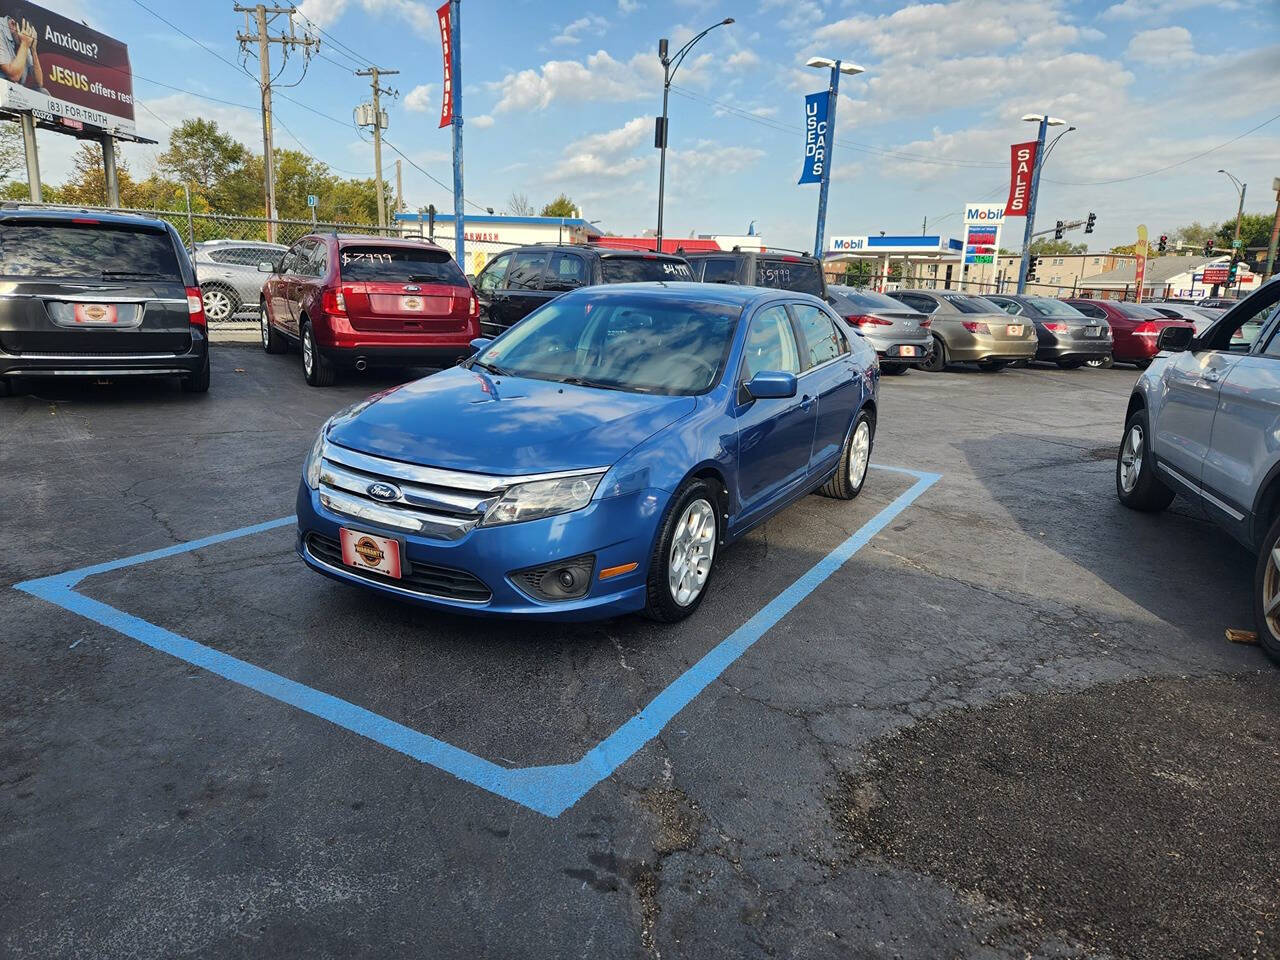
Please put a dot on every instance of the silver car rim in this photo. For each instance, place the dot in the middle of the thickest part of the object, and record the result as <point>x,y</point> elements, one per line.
<point>1271,593</point>
<point>859,453</point>
<point>1131,459</point>
<point>217,305</point>
<point>308,352</point>
<point>265,323</point>
<point>692,549</point>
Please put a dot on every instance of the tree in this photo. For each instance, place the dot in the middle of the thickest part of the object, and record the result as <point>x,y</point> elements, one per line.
<point>1255,231</point>
<point>519,205</point>
<point>215,165</point>
<point>1195,233</point>
<point>1042,246</point>
<point>561,206</point>
<point>13,154</point>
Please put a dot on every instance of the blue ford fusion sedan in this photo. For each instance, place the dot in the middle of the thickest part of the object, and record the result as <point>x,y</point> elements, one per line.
<point>592,460</point>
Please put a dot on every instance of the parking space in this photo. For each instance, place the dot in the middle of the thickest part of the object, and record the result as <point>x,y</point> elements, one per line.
<point>218,752</point>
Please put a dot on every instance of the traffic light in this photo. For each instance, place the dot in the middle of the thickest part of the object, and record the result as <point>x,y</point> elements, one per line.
<point>1232,270</point>
<point>1208,248</point>
<point>1164,242</point>
<point>1088,225</point>
<point>1057,231</point>
<point>1031,268</point>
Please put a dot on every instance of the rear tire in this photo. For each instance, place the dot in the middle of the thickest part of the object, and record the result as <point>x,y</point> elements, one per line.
<point>992,366</point>
<point>855,459</point>
<point>936,362</point>
<point>1266,593</point>
<point>318,371</point>
<point>1137,485</point>
<point>220,303</point>
<point>1101,363</point>
<point>1070,364</point>
<point>272,341</point>
<point>683,541</point>
<point>893,369</point>
<point>198,382</point>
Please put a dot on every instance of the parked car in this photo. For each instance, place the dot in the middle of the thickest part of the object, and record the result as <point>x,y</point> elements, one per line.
<point>1177,310</point>
<point>516,282</point>
<point>1135,327</point>
<point>969,329</point>
<point>776,269</point>
<point>228,274</point>
<point>358,302</point>
<point>1065,335</point>
<point>94,294</point>
<point>900,336</point>
<point>1202,421</point>
<point>593,459</point>
<point>1217,303</point>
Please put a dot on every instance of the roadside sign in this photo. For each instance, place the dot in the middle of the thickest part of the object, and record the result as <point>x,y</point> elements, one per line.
<point>312,200</point>
<point>1215,273</point>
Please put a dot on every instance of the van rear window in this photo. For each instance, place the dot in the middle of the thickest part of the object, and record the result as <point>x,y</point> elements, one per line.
<point>641,269</point>
<point>53,250</point>
<point>380,264</point>
<point>796,275</point>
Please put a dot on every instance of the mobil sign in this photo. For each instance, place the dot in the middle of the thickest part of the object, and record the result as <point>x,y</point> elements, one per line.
<point>983,213</point>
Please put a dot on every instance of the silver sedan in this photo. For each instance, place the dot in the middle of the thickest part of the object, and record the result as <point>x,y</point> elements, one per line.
<point>900,335</point>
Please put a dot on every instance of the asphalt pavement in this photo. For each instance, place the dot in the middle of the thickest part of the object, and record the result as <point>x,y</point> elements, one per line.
<point>869,777</point>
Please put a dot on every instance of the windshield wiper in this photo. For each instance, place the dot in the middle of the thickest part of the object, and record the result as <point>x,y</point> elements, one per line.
<point>490,367</point>
<point>584,382</point>
<point>135,274</point>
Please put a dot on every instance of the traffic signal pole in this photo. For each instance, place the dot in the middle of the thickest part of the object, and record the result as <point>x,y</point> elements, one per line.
<point>1031,204</point>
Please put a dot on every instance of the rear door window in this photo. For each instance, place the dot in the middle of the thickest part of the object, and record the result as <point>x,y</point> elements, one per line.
<point>525,272</point>
<point>568,272</point>
<point>48,250</point>
<point>386,264</point>
<point>643,269</point>
<point>719,270</point>
<point>800,276</point>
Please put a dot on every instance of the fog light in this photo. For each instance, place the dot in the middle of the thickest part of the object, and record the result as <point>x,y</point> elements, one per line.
<point>561,580</point>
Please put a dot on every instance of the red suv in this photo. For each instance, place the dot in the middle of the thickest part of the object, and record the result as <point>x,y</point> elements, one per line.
<point>356,302</point>
<point>1134,327</point>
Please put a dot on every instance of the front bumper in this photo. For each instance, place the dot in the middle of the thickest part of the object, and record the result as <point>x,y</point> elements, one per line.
<point>617,530</point>
<point>72,364</point>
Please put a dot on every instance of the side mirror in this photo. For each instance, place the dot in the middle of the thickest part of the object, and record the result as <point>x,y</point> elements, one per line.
<point>479,343</point>
<point>771,385</point>
<point>267,266</point>
<point>1175,339</point>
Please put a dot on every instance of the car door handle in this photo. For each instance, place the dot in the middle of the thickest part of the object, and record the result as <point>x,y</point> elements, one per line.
<point>806,402</point>
<point>1211,376</point>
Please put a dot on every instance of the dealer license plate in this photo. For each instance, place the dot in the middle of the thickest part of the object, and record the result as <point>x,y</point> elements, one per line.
<point>96,314</point>
<point>364,551</point>
<point>906,351</point>
<point>1014,329</point>
<point>412,304</point>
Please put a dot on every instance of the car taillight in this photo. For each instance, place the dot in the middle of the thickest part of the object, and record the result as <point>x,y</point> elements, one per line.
<point>975,326</point>
<point>473,309</point>
<point>195,307</point>
<point>333,301</point>
<point>867,320</point>
<point>926,323</point>
<point>1056,327</point>
<point>1146,329</point>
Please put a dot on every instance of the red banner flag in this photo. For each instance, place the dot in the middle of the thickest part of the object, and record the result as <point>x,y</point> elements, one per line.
<point>1023,162</point>
<point>446,47</point>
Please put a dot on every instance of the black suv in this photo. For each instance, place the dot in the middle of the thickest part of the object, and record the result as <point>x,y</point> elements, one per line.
<point>760,268</point>
<point>516,282</point>
<point>97,294</point>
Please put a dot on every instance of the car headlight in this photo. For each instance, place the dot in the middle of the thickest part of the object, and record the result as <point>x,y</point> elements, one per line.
<point>311,466</point>
<point>543,498</point>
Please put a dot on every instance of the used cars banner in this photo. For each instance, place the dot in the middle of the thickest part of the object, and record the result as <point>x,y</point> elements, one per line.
<point>815,137</point>
<point>62,70</point>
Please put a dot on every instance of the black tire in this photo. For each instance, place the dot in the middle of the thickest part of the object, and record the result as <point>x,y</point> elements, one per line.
<point>1101,363</point>
<point>272,340</point>
<point>1145,492</point>
<point>1266,583</point>
<point>851,475</point>
<point>1070,364</point>
<point>893,369</point>
<point>318,371</point>
<point>198,382</point>
<point>661,604</point>
<point>936,362</point>
<point>220,297</point>
<point>992,366</point>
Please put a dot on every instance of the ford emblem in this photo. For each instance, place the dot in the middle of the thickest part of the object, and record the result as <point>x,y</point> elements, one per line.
<point>412,288</point>
<point>386,492</point>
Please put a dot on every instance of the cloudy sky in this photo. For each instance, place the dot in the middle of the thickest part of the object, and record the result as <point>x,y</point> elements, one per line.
<point>560,97</point>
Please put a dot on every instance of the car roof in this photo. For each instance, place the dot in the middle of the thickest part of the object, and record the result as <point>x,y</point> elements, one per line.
<point>224,241</point>
<point>729,294</point>
<point>367,240</point>
<point>21,212</point>
<point>792,254</point>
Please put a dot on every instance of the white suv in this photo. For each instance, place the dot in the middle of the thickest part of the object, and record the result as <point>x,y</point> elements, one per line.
<point>1204,420</point>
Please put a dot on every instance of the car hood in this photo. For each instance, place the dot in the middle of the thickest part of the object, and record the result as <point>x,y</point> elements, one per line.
<point>462,419</point>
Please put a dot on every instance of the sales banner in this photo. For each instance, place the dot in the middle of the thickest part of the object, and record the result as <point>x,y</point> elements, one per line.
<point>1022,161</point>
<point>815,137</point>
<point>445,17</point>
<point>62,71</point>
<point>1140,268</point>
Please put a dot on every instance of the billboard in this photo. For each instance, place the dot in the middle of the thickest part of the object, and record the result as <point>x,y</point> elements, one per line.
<point>63,71</point>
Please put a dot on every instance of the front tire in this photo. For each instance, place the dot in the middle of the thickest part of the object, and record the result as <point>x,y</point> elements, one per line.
<point>1137,485</point>
<point>680,567</point>
<point>855,459</point>
<point>1266,593</point>
<point>272,341</point>
<point>318,371</point>
<point>936,362</point>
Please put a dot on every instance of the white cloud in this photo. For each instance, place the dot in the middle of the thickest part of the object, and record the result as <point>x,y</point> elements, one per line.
<point>421,99</point>
<point>1149,10</point>
<point>573,33</point>
<point>1163,46</point>
<point>482,122</point>
<point>599,77</point>
<point>742,60</point>
<point>420,16</point>
<point>629,6</point>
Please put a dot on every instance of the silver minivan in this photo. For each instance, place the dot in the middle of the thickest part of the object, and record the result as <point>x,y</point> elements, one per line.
<point>1203,421</point>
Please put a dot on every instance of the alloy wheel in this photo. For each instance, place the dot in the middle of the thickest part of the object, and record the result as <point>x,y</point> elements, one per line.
<point>859,453</point>
<point>1131,458</point>
<point>265,323</point>
<point>1271,593</point>
<point>217,304</point>
<point>693,547</point>
<point>308,352</point>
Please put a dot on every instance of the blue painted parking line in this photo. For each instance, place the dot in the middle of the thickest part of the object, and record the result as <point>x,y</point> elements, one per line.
<point>549,789</point>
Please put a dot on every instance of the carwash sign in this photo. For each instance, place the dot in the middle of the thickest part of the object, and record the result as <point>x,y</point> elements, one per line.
<point>815,137</point>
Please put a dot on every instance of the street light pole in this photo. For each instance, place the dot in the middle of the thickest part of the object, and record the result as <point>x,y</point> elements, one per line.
<point>1044,121</point>
<point>669,67</point>
<point>837,67</point>
<point>1240,189</point>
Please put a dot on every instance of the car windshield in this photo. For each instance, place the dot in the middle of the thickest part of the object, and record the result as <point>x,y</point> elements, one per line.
<point>867,300</point>
<point>50,250</point>
<point>374,264</point>
<point>1050,307</point>
<point>632,342</point>
<point>968,304</point>
<point>640,269</point>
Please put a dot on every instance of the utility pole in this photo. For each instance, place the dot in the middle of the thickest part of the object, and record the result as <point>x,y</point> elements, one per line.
<point>1275,233</point>
<point>262,17</point>
<point>373,73</point>
<point>399,188</point>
